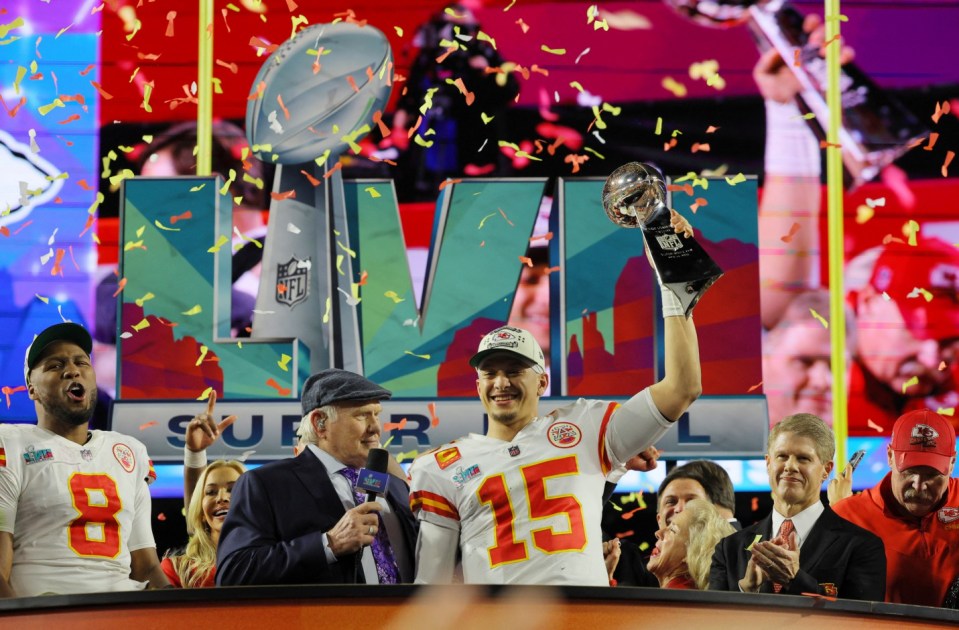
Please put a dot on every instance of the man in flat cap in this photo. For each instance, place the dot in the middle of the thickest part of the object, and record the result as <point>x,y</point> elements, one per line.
<point>301,520</point>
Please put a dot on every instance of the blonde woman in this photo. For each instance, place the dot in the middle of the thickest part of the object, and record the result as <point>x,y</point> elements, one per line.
<point>684,548</point>
<point>196,567</point>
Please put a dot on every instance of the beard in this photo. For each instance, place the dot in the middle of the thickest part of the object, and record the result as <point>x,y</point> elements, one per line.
<point>71,414</point>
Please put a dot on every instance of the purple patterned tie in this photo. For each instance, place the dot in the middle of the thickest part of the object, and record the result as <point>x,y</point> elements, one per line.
<point>386,568</point>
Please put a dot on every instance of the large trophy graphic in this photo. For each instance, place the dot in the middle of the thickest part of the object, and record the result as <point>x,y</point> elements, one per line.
<point>316,94</point>
<point>876,128</point>
<point>635,196</point>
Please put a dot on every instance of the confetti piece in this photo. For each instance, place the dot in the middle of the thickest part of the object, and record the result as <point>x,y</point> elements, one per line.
<point>754,387</point>
<point>948,161</point>
<point>626,534</point>
<point>9,391</point>
<point>552,51</point>
<point>147,296</point>
<point>864,213</point>
<point>161,516</point>
<point>819,318</point>
<point>196,310</point>
<point>220,242</point>
<point>393,296</point>
<point>736,179</point>
<point>373,192</point>
<point>920,292</point>
<point>282,391</point>
<point>913,381</point>
<point>389,426</point>
<point>628,515</point>
<point>435,421</point>
<point>326,313</point>
<point>144,323</point>
<point>792,232</point>
<point>873,425</point>
<point>756,539</point>
<point>147,425</point>
<point>410,455</point>
<point>946,411</point>
<point>754,504</point>
<point>206,393</point>
<point>675,87</point>
<point>203,351</point>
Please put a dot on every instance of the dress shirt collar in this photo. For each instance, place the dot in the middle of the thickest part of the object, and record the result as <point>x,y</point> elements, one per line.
<point>803,522</point>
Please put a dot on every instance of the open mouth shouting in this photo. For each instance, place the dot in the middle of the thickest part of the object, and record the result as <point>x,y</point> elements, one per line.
<point>76,392</point>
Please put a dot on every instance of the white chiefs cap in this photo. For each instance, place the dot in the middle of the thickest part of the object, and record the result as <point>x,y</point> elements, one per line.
<point>513,340</point>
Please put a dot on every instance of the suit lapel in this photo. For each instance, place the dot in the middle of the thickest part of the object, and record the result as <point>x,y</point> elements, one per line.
<point>765,528</point>
<point>821,537</point>
<point>316,479</point>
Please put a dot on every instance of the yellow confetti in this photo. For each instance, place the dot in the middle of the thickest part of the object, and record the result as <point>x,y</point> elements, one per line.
<point>739,178</point>
<point>674,86</point>
<point>406,455</point>
<point>159,225</point>
<point>339,264</point>
<point>393,296</point>
<point>45,109</point>
<point>595,152</point>
<point>919,291</point>
<point>198,188</point>
<point>140,231</point>
<point>616,507</point>
<point>45,300</point>
<point>913,381</point>
<point>132,245</point>
<point>419,356</point>
<point>144,323</point>
<point>418,139</point>
<point>756,539</point>
<point>284,362</point>
<point>147,91</point>
<point>196,310</point>
<point>485,219</point>
<point>553,51</point>
<point>864,213</point>
<point>203,351</point>
<point>326,313</point>
<point>659,126</point>
<point>206,393</point>
<point>946,411</point>
<point>346,249</point>
<point>911,229</point>
<point>220,242</point>
<point>399,31</point>
<point>373,192</point>
<point>643,546</point>
<point>486,119</point>
<point>819,318</point>
<point>146,297</point>
<point>256,181</point>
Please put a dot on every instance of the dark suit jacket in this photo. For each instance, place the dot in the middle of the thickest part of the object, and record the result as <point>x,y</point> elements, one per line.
<point>278,514</point>
<point>836,553</point>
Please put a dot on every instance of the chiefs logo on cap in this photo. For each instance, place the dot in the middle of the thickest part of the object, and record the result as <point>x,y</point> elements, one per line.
<point>924,436</point>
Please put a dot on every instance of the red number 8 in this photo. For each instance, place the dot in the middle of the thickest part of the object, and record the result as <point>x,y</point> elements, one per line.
<point>97,503</point>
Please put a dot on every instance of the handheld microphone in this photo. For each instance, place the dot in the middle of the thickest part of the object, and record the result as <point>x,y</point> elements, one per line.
<point>373,477</point>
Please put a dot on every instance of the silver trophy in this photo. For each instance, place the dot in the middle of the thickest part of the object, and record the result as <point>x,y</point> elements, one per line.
<point>876,128</point>
<point>635,196</point>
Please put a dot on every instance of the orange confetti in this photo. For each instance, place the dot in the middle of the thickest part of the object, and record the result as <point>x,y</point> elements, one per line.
<point>161,516</point>
<point>625,534</point>
<point>754,387</point>
<point>87,225</point>
<point>470,97</point>
<point>945,165</point>
<point>170,16</point>
<point>147,425</point>
<point>259,91</point>
<point>711,129</point>
<point>280,288</point>
<point>286,112</point>
<point>797,57</point>
<point>942,366</point>
<point>363,277</point>
<point>449,182</point>
<point>629,515</point>
<point>792,232</point>
<point>4,230</point>
<point>280,196</point>
<point>940,110</point>
<point>106,96</point>
<point>13,112</point>
<point>122,283</point>
<point>505,217</point>
<point>310,178</point>
<point>82,183</point>
<point>56,270</point>
<point>686,188</point>
<point>87,70</point>
<point>873,425</point>
<point>669,145</point>
<point>825,145</point>
<point>282,391</point>
<point>349,79</point>
<point>575,159</point>
<point>932,141</point>
<point>232,67</point>
<point>435,421</point>
<point>181,217</point>
<point>546,237</point>
<point>700,146</point>
<point>526,261</point>
<point>291,6</point>
<point>754,505</point>
<point>448,52</point>
<point>335,168</point>
<point>9,391</point>
<point>390,426</point>
<point>70,119</point>
<point>378,119</point>
<point>259,43</point>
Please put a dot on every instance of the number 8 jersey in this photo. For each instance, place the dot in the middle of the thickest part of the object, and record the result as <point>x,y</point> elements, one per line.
<point>529,511</point>
<point>75,511</point>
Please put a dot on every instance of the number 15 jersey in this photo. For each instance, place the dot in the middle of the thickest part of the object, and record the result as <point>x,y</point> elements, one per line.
<point>75,511</point>
<point>528,511</point>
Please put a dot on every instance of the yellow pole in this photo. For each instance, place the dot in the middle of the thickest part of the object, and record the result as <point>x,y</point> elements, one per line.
<point>834,187</point>
<point>204,109</point>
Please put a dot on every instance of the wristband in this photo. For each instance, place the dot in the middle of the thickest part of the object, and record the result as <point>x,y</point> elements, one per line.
<point>672,307</point>
<point>791,147</point>
<point>194,459</point>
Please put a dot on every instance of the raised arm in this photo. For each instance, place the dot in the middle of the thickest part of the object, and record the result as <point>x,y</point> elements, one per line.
<point>202,431</point>
<point>682,383</point>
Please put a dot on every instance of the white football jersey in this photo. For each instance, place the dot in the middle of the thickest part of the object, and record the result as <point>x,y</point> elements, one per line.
<point>528,511</point>
<point>75,511</point>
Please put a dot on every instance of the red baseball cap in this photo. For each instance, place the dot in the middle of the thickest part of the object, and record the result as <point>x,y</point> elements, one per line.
<point>923,438</point>
<point>931,265</point>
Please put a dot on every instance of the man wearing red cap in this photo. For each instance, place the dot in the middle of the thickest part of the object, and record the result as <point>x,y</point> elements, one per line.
<point>914,509</point>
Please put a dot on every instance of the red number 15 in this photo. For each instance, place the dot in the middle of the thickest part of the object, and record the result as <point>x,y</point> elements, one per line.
<point>494,492</point>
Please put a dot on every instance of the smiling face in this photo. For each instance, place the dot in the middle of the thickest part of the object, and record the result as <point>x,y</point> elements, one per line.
<point>352,433</point>
<point>63,385</point>
<point>668,558</point>
<point>796,371</point>
<point>509,389</point>
<point>796,473</point>
<point>674,499</point>
<point>216,498</point>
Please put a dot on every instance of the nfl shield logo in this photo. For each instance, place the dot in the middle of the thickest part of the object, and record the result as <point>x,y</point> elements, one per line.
<point>670,242</point>
<point>292,282</point>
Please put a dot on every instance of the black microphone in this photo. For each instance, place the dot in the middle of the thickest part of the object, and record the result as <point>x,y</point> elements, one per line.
<point>373,477</point>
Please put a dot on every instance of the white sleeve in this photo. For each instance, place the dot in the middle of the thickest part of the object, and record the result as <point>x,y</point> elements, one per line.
<point>436,548</point>
<point>9,483</point>
<point>141,536</point>
<point>635,426</point>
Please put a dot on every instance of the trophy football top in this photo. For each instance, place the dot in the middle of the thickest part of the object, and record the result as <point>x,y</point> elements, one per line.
<point>632,192</point>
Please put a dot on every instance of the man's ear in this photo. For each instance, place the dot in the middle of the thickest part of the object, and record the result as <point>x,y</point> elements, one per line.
<point>543,384</point>
<point>318,418</point>
<point>32,392</point>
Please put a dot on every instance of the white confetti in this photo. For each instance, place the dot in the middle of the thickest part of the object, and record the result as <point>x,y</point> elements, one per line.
<point>53,237</point>
<point>292,228</point>
<point>585,52</point>
<point>275,125</point>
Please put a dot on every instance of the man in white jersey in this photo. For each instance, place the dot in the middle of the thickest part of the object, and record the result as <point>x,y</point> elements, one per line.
<point>523,503</point>
<point>74,503</point>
